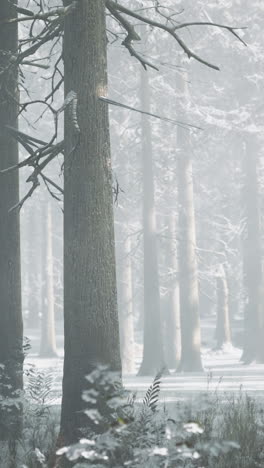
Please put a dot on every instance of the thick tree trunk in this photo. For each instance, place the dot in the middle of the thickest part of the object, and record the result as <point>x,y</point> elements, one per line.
<point>253,333</point>
<point>189,293</point>
<point>90,304</point>
<point>172,339</point>
<point>11,327</point>
<point>153,356</point>
<point>48,334</point>
<point>223,330</point>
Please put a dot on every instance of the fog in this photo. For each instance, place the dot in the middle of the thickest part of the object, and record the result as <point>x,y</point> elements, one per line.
<point>138,229</point>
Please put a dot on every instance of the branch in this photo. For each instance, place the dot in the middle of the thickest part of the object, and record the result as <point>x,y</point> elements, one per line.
<point>165,119</point>
<point>115,7</point>
<point>28,195</point>
<point>132,35</point>
<point>216,25</point>
<point>30,16</point>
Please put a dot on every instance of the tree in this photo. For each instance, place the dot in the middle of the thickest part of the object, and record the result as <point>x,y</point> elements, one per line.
<point>189,293</point>
<point>91,325</point>
<point>153,354</point>
<point>253,339</point>
<point>11,327</point>
<point>172,341</point>
<point>48,336</point>
<point>125,297</point>
<point>90,305</point>
<point>223,332</point>
<point>125,303</point>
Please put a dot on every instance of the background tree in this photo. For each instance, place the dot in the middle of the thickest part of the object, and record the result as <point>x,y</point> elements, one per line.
<point>48,333</point>
<point>223,332</point>
<point>153,353</point>
<point>189,293</point>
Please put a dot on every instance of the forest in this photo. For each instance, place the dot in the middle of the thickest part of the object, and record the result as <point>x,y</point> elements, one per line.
<point>131,234</point>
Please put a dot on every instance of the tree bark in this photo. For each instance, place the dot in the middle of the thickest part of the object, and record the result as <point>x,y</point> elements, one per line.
<point>11,326</point>
<point>48,334</point>
<point>153,354</point>
<point>223,330</point>
<point>90,303</point>
<point>189,293</point>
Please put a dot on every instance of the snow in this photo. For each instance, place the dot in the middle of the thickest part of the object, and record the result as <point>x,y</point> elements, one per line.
<point>223,373</point>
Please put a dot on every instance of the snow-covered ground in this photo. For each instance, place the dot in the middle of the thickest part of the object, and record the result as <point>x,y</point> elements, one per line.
<point>222,373</point>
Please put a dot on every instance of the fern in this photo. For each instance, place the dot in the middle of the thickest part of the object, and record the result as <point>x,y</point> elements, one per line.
<point>39,388</point>
<point>151,398</point>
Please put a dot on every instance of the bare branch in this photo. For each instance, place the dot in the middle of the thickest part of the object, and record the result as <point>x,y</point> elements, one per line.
<point>115,7</point>
<point>30,16</point>
<point>165,119</point>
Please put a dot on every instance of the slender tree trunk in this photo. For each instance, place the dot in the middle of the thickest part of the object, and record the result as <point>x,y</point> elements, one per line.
<point>11,327</point>
<point>124,275</point>
<point>223,330</point>
<point>189,293</point>
<point>253,333</point>
<point>48,334</point>
<point>33,267</point>
<point>153,355</point>
<point>90,304</point>
<point>125,304</point>
<point>172,340</point>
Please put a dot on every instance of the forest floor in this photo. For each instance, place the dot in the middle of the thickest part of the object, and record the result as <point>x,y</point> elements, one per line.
<point>223,373</point>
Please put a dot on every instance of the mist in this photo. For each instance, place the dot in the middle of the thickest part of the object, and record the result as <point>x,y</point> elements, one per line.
<point>131,244</point>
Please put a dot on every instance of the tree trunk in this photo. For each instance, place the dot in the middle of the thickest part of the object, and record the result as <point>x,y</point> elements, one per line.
<point>90,303</point>
<point>48,335</point>
<point>11,326</point>
<point>172,340</point>
<point>33,266</point>
<point>189,293</point>
<point>253,332</point>
<point>153,355</point>
<point>125,305</point>
<point>223,331</point>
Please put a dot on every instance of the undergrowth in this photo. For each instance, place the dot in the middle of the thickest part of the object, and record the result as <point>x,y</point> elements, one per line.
<point>213,432</point>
